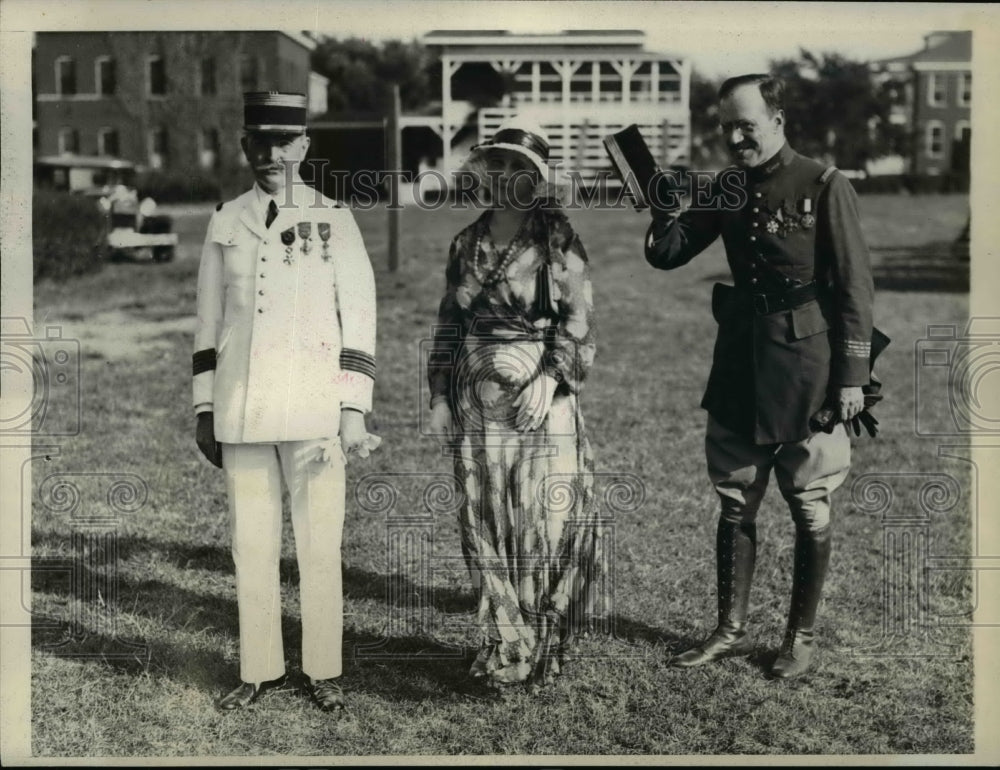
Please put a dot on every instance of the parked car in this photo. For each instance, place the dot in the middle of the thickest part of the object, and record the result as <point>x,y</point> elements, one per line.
<point>133,229</point>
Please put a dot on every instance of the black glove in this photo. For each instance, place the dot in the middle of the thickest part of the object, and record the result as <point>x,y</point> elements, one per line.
<point>205,438</point>
<point>826,418</point>
<point>867,419</point>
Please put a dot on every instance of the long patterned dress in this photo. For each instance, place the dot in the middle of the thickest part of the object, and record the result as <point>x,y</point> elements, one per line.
<point>527,520</point>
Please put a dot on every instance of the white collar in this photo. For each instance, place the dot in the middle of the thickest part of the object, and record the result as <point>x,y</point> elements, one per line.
<point>264,198</point>
<point>280,199</point>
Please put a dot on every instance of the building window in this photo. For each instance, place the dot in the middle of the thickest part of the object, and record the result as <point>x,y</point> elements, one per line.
<point>105,76</point>
<point>965,89</point>
<point>107,142</point>
<point>208,155</point>
<point>248,72</point>
<point>610,83</point>
<point>207,82</point>
<point>158,149</point>
<point>934,139</point>
<point>935,90</point>
<point>156,76</point>
<point>549,83</point>
<point>581,84</point>
<point>961,147</point>
<point>69,141</point>
<point>65,76</point>
<point>670,83</point>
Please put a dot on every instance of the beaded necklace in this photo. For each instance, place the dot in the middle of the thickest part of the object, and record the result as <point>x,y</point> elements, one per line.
<point>514,249</point>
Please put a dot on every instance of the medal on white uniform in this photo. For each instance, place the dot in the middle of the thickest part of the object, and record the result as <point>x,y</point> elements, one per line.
<point>324,233</point>
<point>288,238</point>
<point>305,233</point>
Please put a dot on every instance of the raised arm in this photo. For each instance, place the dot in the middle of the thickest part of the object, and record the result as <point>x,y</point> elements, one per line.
<point>676,237</point>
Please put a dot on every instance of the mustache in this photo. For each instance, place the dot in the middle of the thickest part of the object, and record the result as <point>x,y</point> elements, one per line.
<point>742,146</point>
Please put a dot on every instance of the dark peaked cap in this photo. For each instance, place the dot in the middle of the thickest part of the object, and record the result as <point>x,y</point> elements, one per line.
<point>274,111</point>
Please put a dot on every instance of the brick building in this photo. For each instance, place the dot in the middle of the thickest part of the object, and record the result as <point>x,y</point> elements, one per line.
<point>933,90</point>
<point>164,100</point>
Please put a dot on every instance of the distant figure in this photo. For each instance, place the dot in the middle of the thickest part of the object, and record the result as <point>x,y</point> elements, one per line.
<point>794,332</point>
<point>514,343</point>
<point>284,366</point>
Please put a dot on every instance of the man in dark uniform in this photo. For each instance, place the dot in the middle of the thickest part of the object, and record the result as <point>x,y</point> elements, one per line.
<point>794,334</point>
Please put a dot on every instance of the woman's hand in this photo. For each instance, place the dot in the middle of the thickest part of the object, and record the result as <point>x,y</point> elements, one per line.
<point>441,420</point>
<point>533,403</point>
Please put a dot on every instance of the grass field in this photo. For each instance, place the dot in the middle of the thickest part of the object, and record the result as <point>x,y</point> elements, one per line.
<point>406,666</point>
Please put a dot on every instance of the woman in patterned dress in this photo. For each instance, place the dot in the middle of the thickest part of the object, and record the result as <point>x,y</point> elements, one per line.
<point>514,343</point>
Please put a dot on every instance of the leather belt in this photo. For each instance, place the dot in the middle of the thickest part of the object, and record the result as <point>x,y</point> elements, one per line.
<point>783,300</point>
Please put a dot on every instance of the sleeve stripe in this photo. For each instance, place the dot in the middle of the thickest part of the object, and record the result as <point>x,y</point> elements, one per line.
<point>203,361</point>
<point>854,348</point>
<point>357,361</point>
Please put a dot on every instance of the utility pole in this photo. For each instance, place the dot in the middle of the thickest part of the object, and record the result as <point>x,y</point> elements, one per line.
<point>395,167</point>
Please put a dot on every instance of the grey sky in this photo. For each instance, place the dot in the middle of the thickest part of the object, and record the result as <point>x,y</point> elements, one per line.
<point>720,38</point>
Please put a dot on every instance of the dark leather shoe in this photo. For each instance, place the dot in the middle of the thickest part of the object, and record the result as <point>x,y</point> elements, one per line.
<point>327,694</point>
<point>726,641</point>
<point>794,656</point>
<point>812,557</point>
<point>247,693</point>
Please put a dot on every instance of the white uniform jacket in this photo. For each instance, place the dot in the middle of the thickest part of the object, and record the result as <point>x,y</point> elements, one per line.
<point>286,320</point>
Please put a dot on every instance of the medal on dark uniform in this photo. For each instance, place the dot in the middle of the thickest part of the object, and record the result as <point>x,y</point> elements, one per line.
<point>305,233</point>
<point>324,233</point>
<point>805,207</point>
<point>777,223</point>
<point>791,219</point>
<point>288,238</point>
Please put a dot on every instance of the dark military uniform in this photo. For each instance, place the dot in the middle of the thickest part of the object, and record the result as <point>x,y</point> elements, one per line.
<point>776,354</point>
<point>796,325</point>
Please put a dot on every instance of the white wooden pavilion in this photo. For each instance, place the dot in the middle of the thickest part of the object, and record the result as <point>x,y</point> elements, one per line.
<point>579,85</point>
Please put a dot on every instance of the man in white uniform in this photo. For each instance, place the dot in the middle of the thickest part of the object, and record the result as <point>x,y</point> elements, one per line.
<point>283,373</point>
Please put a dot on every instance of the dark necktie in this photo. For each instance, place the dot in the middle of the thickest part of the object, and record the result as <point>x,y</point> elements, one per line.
<point>272,213</point>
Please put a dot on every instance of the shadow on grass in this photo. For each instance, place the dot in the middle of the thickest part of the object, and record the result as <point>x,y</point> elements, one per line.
<point>394,589</point>
<point>410,664</point>
<point>198,659</point>
<point>941,266</point>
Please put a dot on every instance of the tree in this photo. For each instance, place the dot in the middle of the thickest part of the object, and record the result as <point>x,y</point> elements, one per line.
<point>707,146</point>
<point>834,110</point>
<point>359,72</point>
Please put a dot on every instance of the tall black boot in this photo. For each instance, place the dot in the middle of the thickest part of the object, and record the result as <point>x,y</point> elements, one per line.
<point>812,555</point>
<point>735,553</point>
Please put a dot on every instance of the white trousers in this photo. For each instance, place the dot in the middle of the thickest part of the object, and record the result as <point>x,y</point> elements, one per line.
<point>313,472</point>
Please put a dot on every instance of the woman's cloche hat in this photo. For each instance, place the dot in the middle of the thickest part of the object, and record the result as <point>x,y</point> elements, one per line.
<point>524,137</point>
